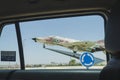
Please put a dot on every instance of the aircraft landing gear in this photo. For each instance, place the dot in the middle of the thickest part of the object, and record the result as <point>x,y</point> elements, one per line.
<point>74,51</point>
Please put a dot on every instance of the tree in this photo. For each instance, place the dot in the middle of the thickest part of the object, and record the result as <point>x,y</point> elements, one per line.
<point>72,62</point>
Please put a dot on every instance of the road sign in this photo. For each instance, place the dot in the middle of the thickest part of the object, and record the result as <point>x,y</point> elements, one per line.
<point>87,59</point>
<point>8,55</point>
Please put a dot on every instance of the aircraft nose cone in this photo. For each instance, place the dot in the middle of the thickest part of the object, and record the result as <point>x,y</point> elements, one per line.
<point>34,39</point>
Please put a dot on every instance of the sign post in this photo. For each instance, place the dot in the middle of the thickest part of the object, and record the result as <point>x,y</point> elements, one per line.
<point>87,59</point>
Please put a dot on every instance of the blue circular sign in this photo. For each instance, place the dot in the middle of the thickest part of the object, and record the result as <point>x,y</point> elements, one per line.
<point>87,59</point>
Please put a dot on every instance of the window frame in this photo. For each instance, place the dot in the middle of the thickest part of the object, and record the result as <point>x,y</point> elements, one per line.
<point>103,13</point>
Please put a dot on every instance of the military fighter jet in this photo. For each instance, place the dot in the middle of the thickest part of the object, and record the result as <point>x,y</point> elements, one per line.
<point>74,45</point>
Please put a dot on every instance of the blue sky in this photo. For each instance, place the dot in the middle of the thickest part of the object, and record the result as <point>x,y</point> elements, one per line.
<point>89,28</point>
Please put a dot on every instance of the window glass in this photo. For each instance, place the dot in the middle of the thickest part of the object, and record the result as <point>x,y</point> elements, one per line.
<point>9,57</point>
<point>64,43</point>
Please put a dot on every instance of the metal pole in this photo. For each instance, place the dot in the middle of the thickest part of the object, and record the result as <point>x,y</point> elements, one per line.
<point>20,46</point>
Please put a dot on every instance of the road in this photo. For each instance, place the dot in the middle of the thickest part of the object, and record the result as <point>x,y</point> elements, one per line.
<point>67,67</point>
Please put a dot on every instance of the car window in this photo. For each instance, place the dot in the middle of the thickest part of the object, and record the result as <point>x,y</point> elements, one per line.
<point>9,56</point>
<point>60,43</point>
<point>64,43</point>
